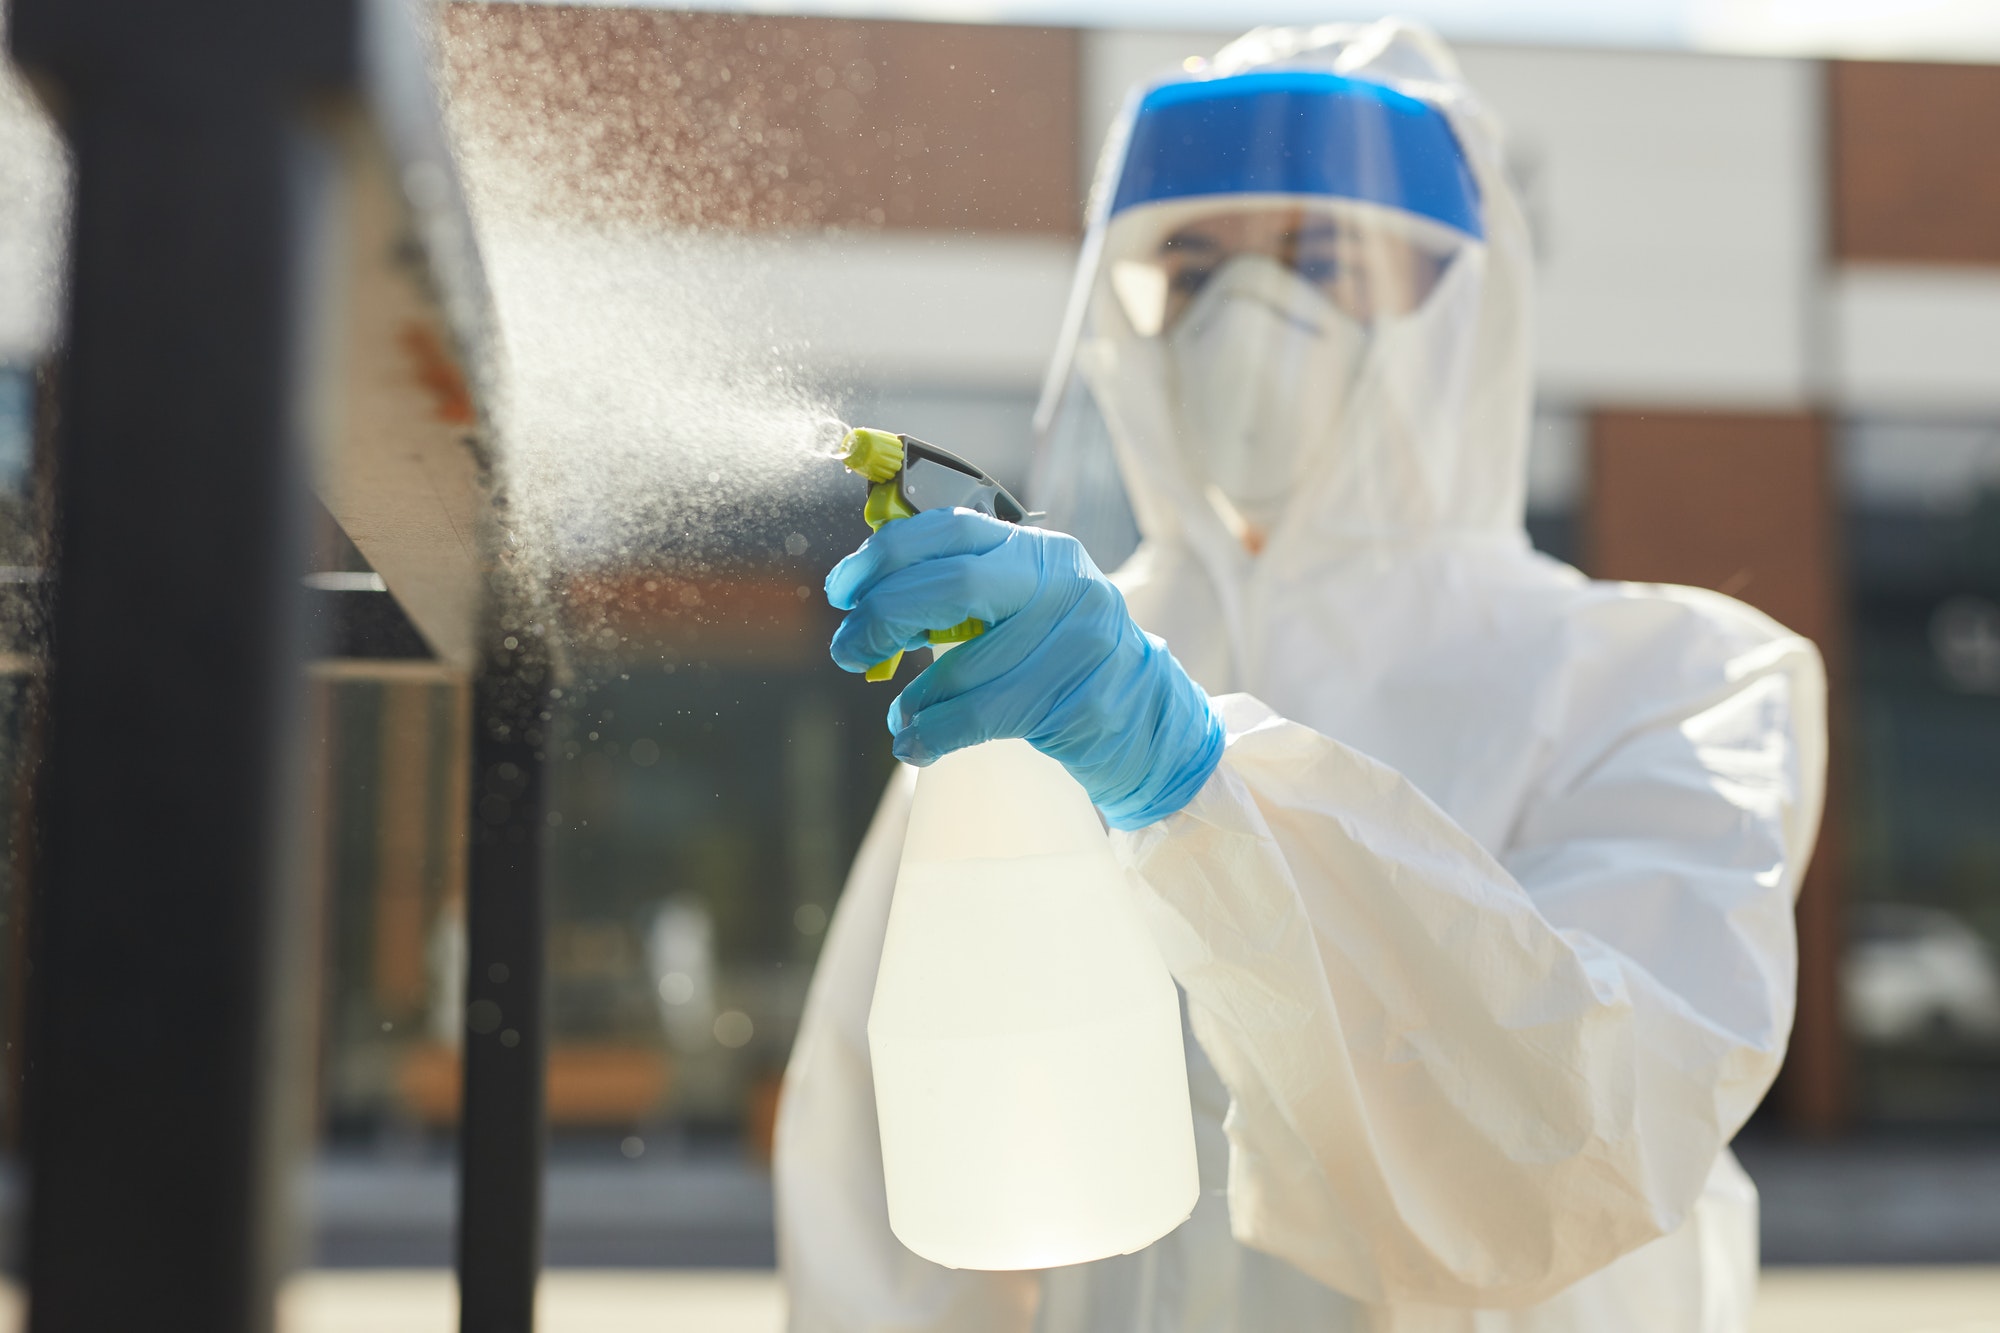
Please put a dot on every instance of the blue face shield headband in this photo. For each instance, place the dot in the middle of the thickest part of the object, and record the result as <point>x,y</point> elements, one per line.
<point>1302,132</point>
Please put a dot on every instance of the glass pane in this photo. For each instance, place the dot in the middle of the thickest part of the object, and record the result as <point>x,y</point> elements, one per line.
<point>1922,973</point>
<point>34,192</point>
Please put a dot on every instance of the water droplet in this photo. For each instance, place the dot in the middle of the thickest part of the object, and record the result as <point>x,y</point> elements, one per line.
<point>482,1016</point>
<point>733,1028</point>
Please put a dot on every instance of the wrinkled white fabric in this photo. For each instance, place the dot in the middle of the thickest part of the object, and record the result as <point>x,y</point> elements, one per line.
<point>1483,923</point>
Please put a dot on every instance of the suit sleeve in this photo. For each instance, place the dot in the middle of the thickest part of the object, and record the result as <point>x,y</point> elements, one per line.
<point>1462,1077</point>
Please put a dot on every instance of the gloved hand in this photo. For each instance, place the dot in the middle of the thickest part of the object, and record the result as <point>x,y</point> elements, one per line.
<point>1061,663</point>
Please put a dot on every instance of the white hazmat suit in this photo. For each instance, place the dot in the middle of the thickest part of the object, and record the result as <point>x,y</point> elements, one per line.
<point>1484,920</point>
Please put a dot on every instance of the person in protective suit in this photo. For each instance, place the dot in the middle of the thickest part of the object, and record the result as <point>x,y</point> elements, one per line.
<point>1477,875</point>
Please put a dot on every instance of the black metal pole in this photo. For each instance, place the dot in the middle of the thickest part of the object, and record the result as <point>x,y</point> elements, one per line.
<point>161,983</point>
<point>502,1129</point>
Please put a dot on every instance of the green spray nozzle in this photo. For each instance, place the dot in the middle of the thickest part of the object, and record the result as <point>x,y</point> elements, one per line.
<point>879,456</point>
<point>875,454</point>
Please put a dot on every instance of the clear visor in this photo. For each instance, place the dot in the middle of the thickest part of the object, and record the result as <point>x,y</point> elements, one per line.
<point>1369,263</point>
<point>1277,318</point>
<point>1281,288</point>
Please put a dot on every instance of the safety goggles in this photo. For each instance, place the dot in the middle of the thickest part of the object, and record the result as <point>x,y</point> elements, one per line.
<point>934,478</point>
<point>1367,261</point>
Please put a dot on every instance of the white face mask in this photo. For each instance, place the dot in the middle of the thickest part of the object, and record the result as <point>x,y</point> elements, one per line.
<point>1261,364</point>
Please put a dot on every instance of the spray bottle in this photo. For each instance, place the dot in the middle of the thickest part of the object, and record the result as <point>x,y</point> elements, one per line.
<point>1030,1082</point>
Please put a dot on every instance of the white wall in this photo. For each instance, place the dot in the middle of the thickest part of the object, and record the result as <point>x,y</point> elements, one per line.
<point>1677,205</point>
<point>867,308</point>
<point>976,311</point>
<point>1915,339</point>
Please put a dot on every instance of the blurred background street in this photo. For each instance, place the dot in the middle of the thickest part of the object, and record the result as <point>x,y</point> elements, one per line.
<point>1849,1300</point>
<point>1768,362</point>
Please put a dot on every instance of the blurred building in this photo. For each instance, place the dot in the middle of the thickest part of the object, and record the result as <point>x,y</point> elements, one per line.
<point>1769,311</point>
<point>1769,362</point>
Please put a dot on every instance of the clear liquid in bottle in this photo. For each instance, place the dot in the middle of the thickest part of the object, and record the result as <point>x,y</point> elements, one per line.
<point>1025,1035</point>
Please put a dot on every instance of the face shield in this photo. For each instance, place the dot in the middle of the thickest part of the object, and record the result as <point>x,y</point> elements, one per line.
<point>1274,241</point>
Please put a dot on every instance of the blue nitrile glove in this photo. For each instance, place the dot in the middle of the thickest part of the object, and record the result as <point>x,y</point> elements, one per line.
<point>1061,663</point>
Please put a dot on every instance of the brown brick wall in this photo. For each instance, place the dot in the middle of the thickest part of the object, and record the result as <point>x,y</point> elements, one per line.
<point>1743,504</point>
<point>737,121</point>
<point>1737,502</point>
<point>1916,162</point>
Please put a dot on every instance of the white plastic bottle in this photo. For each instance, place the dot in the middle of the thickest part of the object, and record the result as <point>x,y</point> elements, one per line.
<point>1026,1037</point>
